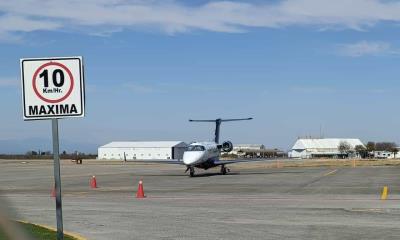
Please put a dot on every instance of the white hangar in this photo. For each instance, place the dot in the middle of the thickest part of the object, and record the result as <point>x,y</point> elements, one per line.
<point>142,150</point>
<point>325,147</point>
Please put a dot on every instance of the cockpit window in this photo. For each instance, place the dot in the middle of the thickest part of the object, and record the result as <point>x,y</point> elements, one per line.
<point>196,148</point>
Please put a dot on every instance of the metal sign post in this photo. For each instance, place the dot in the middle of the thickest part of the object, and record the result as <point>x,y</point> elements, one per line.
<point>57,178</point>
<point>53,88</point>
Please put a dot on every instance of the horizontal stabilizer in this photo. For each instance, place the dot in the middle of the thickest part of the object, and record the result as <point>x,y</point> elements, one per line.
<point>218,122</point>
<point>221,120</point>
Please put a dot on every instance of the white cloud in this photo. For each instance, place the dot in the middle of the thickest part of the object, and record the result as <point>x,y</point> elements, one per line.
<point>25,24</point>
<point>174,16</point>
<point>365,48</point>
<point>11,24</point>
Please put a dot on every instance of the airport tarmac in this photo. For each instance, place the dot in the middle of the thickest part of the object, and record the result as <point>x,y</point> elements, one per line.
<point>248,203</point>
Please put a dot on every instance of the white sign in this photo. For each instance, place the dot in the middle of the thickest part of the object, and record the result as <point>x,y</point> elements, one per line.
<point>52,88</point>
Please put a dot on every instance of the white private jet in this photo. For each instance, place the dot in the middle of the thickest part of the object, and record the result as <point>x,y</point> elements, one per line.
<point>206,155</point>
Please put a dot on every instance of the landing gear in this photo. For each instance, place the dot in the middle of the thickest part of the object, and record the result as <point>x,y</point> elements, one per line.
<point>224,170</point>
<point>191,169</point>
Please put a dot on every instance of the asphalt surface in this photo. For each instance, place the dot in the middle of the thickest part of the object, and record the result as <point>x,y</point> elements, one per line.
<point>251,203</point>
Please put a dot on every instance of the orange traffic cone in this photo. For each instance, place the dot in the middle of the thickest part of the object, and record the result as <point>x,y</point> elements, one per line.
<point>53,191</point>
<point>140,191</point>
<point>93,182</point>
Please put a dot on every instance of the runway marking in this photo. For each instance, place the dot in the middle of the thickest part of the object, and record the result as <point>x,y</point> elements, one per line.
<point>330,173</point>
<point>256,198</point>
<point>369,210</point>
<point>315,180</point>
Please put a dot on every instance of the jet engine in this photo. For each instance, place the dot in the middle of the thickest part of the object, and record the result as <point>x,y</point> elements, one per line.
<point>227,146</point>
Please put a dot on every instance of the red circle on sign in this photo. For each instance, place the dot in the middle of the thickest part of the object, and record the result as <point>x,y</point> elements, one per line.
<point>53,100</point>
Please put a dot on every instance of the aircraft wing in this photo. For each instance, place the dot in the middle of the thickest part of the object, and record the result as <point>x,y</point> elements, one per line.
<point>161,161</point>
<point>226,162</point>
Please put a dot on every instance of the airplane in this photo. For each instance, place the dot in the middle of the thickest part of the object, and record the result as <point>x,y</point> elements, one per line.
<point>206,155</point>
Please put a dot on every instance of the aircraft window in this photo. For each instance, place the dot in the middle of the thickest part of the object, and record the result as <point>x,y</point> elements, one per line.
<point>196,148</point>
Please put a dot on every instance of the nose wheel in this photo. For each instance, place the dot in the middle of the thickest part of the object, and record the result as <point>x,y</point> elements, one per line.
<point>224,170</point>
<point>191,173</point>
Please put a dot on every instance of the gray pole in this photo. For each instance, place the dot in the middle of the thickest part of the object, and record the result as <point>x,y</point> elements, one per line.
<point>57,178</point>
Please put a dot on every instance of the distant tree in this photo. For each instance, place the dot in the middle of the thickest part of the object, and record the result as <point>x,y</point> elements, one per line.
<point>380,146</point>
<point>64,152</point>
<point>385,146</point>
<point>370,146</point>
<point>394,150</point>
<point>31,153</point>
<point>344,148</point>
<point>361,150</point>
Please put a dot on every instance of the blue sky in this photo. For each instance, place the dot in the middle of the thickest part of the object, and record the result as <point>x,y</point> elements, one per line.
<point>295,66</point>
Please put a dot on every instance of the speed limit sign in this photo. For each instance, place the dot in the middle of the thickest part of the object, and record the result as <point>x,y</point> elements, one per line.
<point>52,88</point>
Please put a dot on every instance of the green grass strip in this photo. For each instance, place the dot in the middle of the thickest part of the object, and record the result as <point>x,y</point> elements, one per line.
<point>36,232</point>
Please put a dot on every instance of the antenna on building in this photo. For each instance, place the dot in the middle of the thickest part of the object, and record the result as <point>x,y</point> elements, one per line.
<point>320,131</point>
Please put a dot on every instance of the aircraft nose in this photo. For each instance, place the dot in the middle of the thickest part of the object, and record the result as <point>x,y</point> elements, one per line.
<point>190,158</point>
